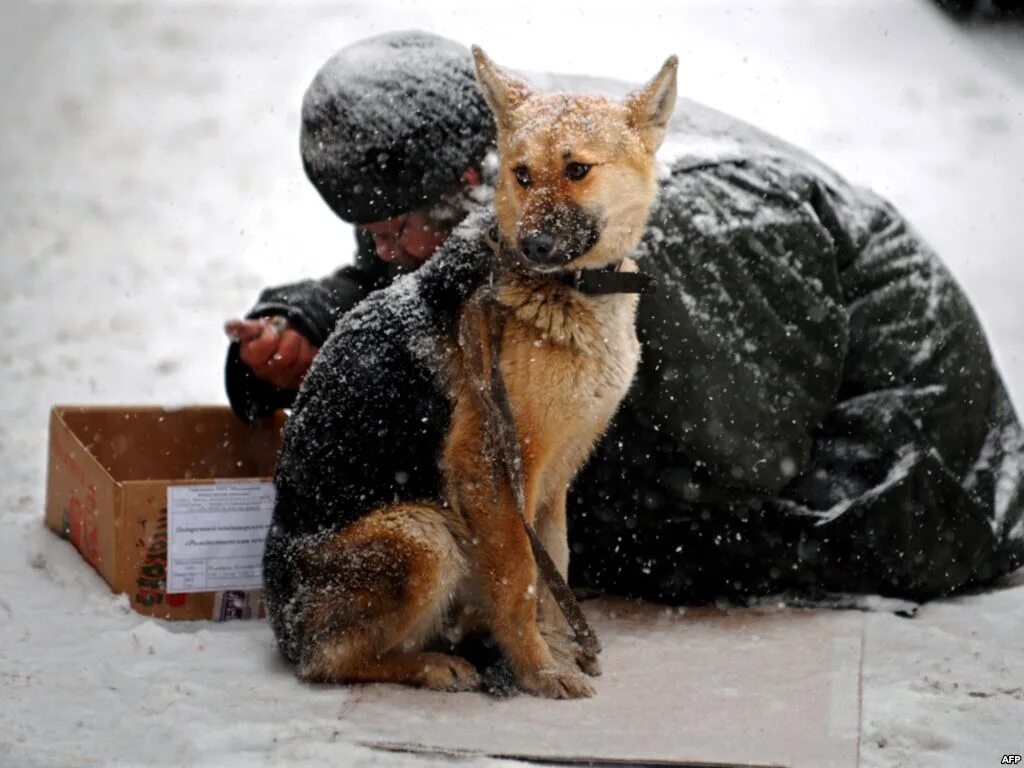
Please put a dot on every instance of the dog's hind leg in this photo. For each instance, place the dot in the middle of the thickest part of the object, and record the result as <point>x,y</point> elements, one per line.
<point>375,593</point>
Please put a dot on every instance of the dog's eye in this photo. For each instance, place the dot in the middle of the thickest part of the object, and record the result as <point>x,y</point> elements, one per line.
<point>523,176</point>
<point>576,171</point>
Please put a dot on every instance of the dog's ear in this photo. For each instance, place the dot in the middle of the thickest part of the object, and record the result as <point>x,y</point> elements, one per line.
<point>650,107</point>
<point>502,91</point>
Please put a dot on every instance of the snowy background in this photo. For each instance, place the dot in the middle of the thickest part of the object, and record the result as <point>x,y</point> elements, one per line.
<point>150,185</point>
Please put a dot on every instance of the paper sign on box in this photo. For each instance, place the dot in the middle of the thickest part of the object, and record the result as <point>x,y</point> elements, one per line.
<point>216,536</point>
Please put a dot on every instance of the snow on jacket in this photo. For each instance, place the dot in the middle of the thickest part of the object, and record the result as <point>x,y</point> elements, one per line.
<point>816,406</point>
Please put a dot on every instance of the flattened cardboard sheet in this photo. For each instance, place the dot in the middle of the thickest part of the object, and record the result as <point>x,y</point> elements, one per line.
<point>691,688</point>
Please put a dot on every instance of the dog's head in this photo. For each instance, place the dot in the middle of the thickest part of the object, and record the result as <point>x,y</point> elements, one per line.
<point>578,173</point>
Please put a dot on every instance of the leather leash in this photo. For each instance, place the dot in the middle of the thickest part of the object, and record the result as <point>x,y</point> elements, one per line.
<point>503,438</point>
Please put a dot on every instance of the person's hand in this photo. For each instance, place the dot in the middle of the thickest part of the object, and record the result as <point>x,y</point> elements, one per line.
<point>275,352</point>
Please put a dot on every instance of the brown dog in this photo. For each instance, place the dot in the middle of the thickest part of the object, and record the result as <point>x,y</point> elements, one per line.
<point>577,180</point>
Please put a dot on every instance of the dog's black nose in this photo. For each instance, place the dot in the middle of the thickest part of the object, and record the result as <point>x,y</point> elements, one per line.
<point>537,247</point>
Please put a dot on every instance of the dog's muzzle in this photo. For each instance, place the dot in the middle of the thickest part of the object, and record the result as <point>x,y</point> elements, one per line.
<point>560,236</point>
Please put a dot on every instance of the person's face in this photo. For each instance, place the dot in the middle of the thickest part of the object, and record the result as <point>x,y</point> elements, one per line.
<point>409,239</point>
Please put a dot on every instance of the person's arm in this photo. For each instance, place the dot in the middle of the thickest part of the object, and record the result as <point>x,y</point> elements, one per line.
<point>311,308</point>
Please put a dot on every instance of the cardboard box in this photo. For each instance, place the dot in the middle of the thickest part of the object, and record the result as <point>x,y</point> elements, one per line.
<point>111,472</point>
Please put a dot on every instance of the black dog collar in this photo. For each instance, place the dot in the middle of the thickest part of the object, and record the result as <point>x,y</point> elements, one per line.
<point>607,280</point>
<point>590,281</point>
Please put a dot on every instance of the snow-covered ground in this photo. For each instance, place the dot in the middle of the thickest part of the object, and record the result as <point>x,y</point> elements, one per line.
<point>150,185</point>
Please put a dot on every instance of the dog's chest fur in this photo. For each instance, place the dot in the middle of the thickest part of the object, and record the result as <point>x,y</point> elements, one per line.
<point>567,360</point>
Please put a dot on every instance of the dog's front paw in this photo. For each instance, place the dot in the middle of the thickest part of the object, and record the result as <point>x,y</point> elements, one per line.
<point>587,662</point>
<point>556,684</point>
<point>568,653</point>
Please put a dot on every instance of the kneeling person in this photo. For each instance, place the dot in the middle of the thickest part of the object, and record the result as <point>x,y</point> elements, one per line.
<point>816,406</point>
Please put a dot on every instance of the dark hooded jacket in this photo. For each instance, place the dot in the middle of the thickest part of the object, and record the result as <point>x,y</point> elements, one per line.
<point>816,406</point>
